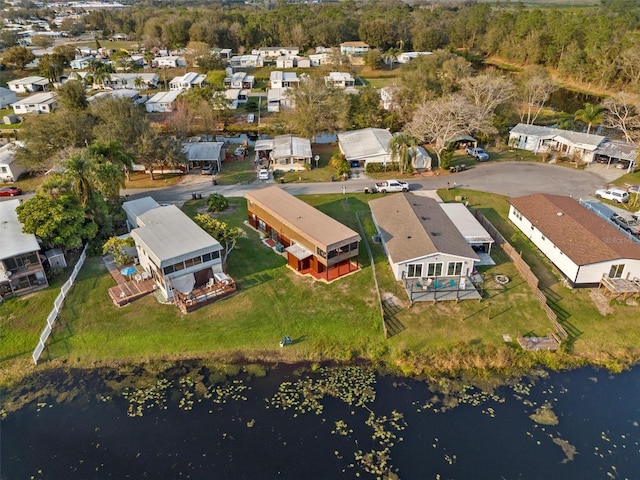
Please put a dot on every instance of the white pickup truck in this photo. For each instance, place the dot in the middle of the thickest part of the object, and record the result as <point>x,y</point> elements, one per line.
<point>390,186</point>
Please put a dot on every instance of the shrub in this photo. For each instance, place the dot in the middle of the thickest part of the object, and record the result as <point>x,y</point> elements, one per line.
<point>381,167</point>
<point>339,162</point>
<point>217,203</point>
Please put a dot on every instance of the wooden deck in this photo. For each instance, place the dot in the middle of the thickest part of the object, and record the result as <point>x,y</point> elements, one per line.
<point>534,344</point>
<point>199,297</point>
<point>126,290</point>
<point>620,288</point>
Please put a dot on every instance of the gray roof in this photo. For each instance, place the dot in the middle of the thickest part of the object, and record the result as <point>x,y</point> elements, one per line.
<point>365,143</point>
<point>34,79</point>
<point>164,97</point>
<point>587,141</point>
<point>171,236</point>
<point>618,149</point>
<point>290,146</point>
<point>7,154</point>
<point>13,241</point>
<point>37,99</point>
<point>466,223</point>
<point>135,208</point>
<point>414,227</point>
<point>203,151</point>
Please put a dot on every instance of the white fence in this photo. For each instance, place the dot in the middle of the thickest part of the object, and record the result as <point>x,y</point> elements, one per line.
<point>57,306</point>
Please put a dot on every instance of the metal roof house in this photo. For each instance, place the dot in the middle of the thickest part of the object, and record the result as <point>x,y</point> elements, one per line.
<point>162,101</point>
<point>187,81</point>
<point>313,242</point>
<point>183,259</point>
<point>290,153</point>
<point>135,208</point>
<point>583,247</point>
<point>7,97</point>
<point>200,154</point>
<point>425,249</point>
<point>366,145</point>
<point>539,139</point>
<point>29,84</point>
<point>10,169</point>
<point>473,232</point>
<point>43,102</point>
<point>21,269</point>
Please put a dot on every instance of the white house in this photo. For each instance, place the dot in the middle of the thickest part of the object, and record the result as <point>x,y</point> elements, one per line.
<point>275,52</point>
<point>319,59</point>
<point>539,139</point>
<point>287,61</point>
<point>240,80</point>
<point>340,80</point>
<point>279,99</point>
<point>128,93</point>
<point>175,251</point>
<point>29,84</point>
<point>285,152</point>
<point>235,97</point>
<point>7,97</point>
<point>406,57</point>
<point>369,145</point>
<point>388,96</point>
<point>43,102</point>
<point>246,61</point>
<point>420,240</point>
<point>135,208</point>
<point>187,81</point>
<point>162,101</point>
<point>279,79</point>
<point>169,61</point>
<point>133,80</point>
<point>82,62</point>
<point>10,169</point>
<point>354,49</point>
<point>582,246</point>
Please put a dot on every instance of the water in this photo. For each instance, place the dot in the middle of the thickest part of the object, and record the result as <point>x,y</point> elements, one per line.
<point>243,432</point>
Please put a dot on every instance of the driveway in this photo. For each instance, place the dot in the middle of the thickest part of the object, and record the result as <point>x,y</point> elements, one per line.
<point>506,178</point>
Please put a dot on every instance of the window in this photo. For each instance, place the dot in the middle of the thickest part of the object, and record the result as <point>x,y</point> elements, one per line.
<point>454,269</point>
<point>321,253</point>
<point>434,269</point>
<point>414,270</point>
<point>616,271</point>
<point>3,169</point>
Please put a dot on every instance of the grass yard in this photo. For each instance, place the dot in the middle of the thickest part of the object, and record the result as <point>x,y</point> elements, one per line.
<point>339,321</point>
<point>143,180</point>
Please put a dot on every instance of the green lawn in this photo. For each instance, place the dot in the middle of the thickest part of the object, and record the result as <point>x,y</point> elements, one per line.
<point>338,321</point>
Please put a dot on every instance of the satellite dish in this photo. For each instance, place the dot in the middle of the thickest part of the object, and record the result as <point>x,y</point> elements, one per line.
<point>316,158</point>
<point>7,274</point>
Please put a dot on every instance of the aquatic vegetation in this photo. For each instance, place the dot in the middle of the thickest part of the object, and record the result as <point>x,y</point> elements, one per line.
<point>544,415</point>
<point>228,391</point>
<point>141,399</point>
<point>568,449</point>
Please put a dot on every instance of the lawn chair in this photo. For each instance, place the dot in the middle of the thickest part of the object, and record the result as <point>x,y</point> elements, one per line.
<point>436,284</point>
<point>452,283</point>
<point>210,283</point>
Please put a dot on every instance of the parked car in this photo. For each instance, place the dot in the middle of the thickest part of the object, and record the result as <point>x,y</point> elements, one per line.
<point>207,170</point>
<point>240,151</point>
<point>263,174</point>
<point>251,118</point>
<point>10,191</point>
<point>616,195</point>
<point>390,186</point>
<point>457,168</point>
<point>354,164</point>
<point>478,153</point>
<point>630,224</point>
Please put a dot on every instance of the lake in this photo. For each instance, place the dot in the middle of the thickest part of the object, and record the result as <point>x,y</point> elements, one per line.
<point>333,423</point>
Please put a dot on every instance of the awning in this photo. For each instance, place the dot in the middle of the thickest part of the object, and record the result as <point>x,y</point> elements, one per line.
<point>298,251</point>
<point>221,277</point>
<point>263,144</point>
<point>184,284</point>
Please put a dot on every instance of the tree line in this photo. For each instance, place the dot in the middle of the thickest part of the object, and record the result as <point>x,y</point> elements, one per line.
<point>597,45</point>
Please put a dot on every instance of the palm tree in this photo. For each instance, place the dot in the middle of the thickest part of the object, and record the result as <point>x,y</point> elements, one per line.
<point>138,82</point>
<point>79,172</point>
<point>114,153</point>
<point>402,145</point>
<point>590,114</point>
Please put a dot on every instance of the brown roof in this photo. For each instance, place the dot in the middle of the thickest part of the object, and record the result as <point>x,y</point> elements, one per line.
<point>581,235</point>
<point>414,227</point>
<point>311,223</point>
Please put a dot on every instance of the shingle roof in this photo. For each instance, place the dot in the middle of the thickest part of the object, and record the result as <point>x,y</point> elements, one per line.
<point>414,227</point>
<point>580,234</point>
<point>321,229</point>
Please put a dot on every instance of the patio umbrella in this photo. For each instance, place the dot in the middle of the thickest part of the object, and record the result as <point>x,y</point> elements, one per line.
<point>128,271</point>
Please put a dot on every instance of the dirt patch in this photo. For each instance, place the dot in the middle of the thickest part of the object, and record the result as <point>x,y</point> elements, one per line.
<point>390,296</point>
<point>600,302</point>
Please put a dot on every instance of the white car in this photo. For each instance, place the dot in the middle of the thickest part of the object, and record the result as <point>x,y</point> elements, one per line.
<point>263,174</point>
<point>616,195</point>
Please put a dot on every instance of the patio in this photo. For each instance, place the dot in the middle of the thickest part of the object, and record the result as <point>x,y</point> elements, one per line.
<point>441,289</point>
<point>216,288</point>
<point>127,290</point>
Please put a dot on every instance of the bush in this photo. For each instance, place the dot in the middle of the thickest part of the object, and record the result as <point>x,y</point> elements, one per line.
<point>381,167</point>
<point>217,203</point>
<point>339,162</point>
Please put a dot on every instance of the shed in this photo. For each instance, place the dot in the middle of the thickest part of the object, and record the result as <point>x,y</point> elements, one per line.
<point>56,259</point>
<point>10,119</point>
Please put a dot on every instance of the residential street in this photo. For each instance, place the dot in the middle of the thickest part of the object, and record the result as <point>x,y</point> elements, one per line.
<point>511,179</point>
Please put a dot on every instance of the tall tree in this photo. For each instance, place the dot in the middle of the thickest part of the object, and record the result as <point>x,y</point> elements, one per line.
<point>622,112</point>
<point>317,109</point>
<point>590,115</point>
<point>72,96</point>
<point>403,147</point>
<point>51,66</point>
<point>18,56</point>
<point>536,89</point>
<point>488,91</point>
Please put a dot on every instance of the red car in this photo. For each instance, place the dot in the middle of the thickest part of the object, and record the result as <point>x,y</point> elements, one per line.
<point>9,191</point>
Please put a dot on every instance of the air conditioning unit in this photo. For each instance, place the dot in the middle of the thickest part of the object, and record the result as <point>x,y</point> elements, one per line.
<point>376,238</point>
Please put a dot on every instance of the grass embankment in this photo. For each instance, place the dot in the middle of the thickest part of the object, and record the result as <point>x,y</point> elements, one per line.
<point>339,321</point>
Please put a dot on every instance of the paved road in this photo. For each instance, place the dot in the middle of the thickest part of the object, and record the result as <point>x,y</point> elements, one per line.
<point>506,178</point>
